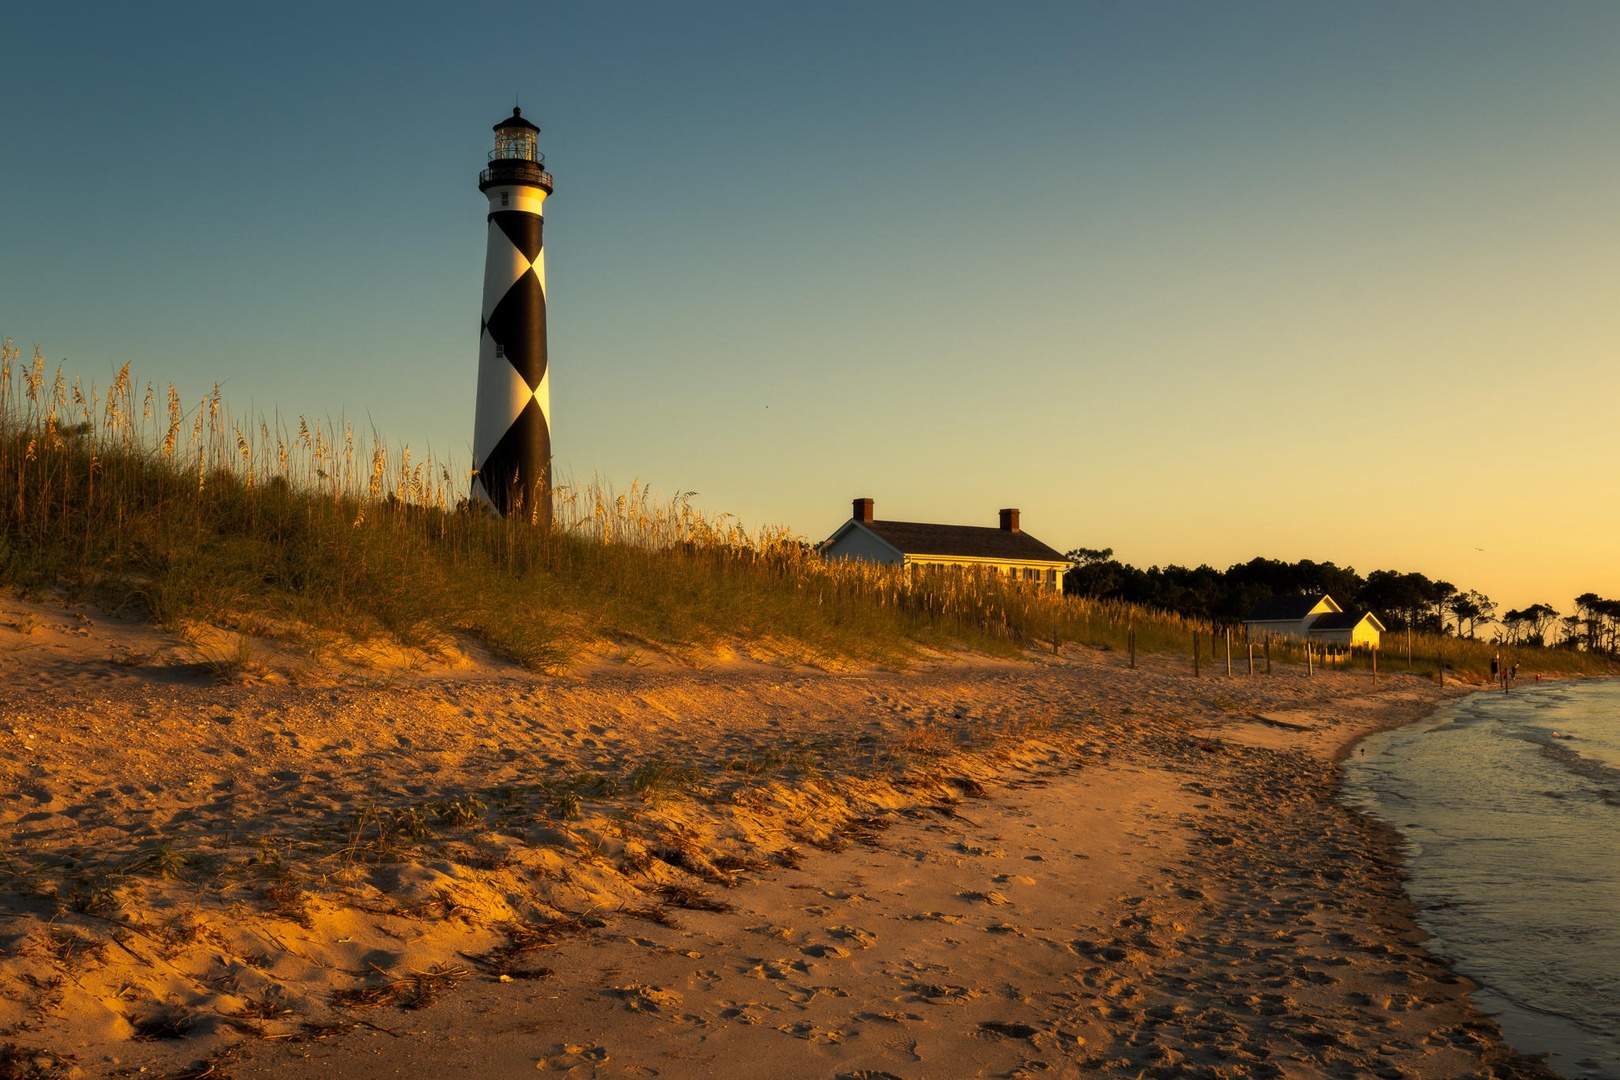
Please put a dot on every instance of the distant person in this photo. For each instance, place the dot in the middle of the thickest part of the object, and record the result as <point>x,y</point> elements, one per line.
<point>1496,666</point>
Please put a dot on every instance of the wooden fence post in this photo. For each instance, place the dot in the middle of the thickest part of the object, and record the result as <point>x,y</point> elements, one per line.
<point>1310,667</point>
<point>1268,656</point>
<point>1131,636</point>
<point>1195,654</point>
<point>1229,652</point>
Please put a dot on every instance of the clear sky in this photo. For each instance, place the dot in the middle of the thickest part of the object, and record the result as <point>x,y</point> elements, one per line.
<point>1194,281</point>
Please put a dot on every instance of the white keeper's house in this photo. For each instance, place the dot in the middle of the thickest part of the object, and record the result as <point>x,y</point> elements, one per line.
<point>1313,617</point>
<point>1004,550</point>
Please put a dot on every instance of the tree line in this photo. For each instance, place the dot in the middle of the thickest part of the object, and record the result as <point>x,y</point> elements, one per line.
<point>1401,600</point>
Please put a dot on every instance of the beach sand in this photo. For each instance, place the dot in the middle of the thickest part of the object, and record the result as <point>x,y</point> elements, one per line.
<point>234,862</point>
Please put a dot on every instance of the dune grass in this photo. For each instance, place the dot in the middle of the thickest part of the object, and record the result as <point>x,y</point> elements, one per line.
<point>311,533</point>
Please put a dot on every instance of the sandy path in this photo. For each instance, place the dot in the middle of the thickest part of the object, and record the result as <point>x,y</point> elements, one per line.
<point>1113,920</point>
<point>942,946</point>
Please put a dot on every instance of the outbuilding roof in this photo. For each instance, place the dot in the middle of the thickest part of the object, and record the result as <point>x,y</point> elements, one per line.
<point>1289,608</point>
<point>962,541</point>
<point>1344,620</point>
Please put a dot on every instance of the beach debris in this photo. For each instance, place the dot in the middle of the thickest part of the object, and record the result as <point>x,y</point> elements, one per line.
<point>417,991</point>
<point>167,1024</point>
<point>692,899</point>
<point>686,858</point>
<point>202,1070</point>
<point>656,913</point>
<point>736,864</point>
<point>789,858</point>
<point>524,938</point>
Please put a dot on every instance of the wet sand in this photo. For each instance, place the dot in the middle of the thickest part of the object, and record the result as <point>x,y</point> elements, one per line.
<point>1055,867</point>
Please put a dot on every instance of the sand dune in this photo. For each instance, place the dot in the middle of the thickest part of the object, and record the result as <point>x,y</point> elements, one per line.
<point>449,867</point>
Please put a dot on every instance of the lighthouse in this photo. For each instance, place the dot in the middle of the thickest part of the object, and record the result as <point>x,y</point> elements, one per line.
<point>512,427</point>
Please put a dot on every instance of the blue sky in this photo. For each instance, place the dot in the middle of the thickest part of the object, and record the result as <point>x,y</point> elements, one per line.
<point>1197,282</point>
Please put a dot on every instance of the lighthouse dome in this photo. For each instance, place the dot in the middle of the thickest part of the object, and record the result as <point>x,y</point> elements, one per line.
<point>516,121</point>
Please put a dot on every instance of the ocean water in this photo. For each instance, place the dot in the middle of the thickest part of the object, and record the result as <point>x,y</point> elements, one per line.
<point>1510,808</point>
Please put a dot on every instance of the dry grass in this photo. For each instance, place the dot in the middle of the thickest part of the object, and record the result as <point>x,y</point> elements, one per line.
<point>311,532</point>
<point>321,536</point>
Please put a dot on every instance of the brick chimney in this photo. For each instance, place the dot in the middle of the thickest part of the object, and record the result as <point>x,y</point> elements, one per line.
<point>863,510</point>
<point>1009,520</point>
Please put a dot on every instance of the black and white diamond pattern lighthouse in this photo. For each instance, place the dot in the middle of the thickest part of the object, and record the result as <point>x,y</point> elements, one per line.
<point>512,430</point>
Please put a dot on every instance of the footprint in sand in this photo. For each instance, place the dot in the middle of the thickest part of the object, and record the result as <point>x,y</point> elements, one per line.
<point>826,952</point>
<point>939,994</point>
<point>746,1012</point>
<point>573,1060</point>
<point>891,1017</point>
<point>811,1033</point>
<point>776,969</point>
<point>1013,879</point>
<point>1008,1030</point>
<point>639,998</point>
<point>865,939</point>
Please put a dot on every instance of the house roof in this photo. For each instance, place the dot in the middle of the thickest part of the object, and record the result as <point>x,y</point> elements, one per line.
<point>1287,608</point>
<point>962,541</point>
<point>1344,620</point>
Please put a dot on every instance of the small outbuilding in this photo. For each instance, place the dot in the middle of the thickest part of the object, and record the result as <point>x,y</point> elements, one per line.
<point>1006,550</point>
<point>1314,617</point>
<point>1357,629</point>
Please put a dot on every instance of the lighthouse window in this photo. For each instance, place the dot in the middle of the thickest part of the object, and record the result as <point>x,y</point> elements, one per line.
<point>500,351</point>
<point>506,198</point>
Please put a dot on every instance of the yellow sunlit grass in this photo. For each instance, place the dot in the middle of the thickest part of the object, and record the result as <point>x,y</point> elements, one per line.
<point>310,531</point>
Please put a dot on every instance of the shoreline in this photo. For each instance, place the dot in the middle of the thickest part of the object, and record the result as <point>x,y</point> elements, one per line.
<point>1451,818</point>
<point>1162,863</point>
